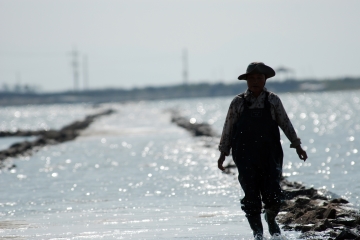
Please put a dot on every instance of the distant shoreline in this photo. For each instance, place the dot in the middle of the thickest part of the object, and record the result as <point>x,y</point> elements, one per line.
<point>173,92</point>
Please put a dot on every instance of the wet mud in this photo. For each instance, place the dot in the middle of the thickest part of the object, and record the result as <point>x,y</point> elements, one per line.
<point>317,213</point>
<point>67,133</point>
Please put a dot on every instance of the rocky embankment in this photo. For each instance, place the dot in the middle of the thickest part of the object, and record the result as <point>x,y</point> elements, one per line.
<point>197,129</point>
<point>317,214</point>
<point>66,133</point>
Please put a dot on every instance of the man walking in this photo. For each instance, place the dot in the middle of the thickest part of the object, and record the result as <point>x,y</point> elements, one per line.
<point>251,131</point>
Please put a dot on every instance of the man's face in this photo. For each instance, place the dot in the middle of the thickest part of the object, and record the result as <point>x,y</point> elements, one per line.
<point>256,82</point>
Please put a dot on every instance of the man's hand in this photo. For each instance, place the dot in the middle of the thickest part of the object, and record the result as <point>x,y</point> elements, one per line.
<point>301,152</point>
<point>221,161</point>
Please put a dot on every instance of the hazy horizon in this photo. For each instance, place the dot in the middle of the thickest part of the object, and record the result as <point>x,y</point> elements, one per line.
<point>140,43</point>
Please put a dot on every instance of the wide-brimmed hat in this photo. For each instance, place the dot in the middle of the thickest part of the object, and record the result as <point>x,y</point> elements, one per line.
<point>258,67</point>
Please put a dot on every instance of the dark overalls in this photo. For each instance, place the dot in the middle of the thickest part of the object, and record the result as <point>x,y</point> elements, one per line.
<point>258,155</point>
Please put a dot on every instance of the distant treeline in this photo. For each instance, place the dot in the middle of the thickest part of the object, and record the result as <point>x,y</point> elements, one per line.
<point>171,92</point>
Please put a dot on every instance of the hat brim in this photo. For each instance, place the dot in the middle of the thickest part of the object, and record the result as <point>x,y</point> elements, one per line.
<point>261,68</point>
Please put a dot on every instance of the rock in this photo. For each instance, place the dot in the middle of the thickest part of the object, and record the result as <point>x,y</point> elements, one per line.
<point>299,214</point>
<point>306,212</point>
<point>26,145</point>
<point>67,133</point>
<point>287,228</point>
<point>15,145</point>
<point>346,221</point>
<point>333,234</point>
<point>330,213</point>
<point>320,213</point>
<point>290,194</point>
<point>339,200</point>
<point>304,228</point>
<point>317,196</point>
<point>40,142</point>
<point>21,133</point>
<point>51,134</point>
<point>347,234</point>
<point>302,201</point>
<point>309,235</point>
<point>322,226</point>
<point>197,129</point>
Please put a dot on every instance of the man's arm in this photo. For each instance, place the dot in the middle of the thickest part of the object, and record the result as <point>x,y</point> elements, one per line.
<point>221,161</point>
<point>225,141</point>
<point>231,118</point>
<point>301,153</point>
<point>287,127</point>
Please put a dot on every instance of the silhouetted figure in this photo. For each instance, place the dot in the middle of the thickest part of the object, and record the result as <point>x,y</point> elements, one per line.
<point>251,131</point>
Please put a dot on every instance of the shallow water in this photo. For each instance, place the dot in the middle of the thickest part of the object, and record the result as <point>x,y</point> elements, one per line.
<point>41,117</point>
<point>134,175</point>
<point>328,124</point>
<point>6,142</point>
<point>128,177</point>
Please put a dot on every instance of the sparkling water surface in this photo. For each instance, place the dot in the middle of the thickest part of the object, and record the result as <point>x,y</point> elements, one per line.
<point>41,117</point>
<point>328,124</point>
<point>135,175</point>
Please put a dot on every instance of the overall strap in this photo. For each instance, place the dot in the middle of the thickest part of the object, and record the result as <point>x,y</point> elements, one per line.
<point>245,104</point>
<point>266,100</point>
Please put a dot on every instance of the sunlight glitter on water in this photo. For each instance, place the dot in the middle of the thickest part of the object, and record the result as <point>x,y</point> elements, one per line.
<point>327,123</point>
<point>41,117</point>
<point>152,181</point>
<point>134,175</point>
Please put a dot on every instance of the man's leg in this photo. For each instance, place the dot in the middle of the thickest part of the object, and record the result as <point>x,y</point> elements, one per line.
<point>251,203</point>
<point>255,225</point>
<point>272,194</point>
<point>270,215</point>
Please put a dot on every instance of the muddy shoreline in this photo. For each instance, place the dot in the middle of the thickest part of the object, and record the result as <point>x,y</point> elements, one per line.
<point>318,214</point>
<point>50,137</point>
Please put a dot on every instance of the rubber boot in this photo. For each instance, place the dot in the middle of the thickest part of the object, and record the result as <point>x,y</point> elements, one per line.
<point>270,219</point>
<point>256,226</point>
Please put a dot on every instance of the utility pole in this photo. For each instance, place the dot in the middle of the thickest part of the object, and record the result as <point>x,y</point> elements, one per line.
<point>75,65</point>
<point>185,67</point>
<point>85,72</point>
<point>17,87</point>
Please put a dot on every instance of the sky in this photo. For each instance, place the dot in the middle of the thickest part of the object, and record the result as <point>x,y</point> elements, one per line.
<point>137,43</point>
